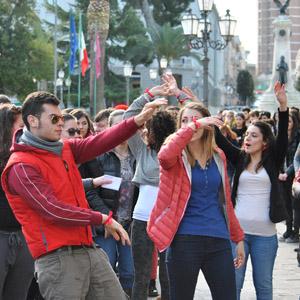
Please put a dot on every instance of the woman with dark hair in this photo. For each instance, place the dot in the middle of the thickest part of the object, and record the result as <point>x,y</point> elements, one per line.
<point>240,127</point>
<point>286,176</point>
<point>144,147</point>
<point>16,263</point>
<point>256,194</point>
<point>193,213</point>
<point>85,124</point>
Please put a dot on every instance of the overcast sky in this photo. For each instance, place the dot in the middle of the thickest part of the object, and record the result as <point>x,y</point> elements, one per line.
<point>246,14</point>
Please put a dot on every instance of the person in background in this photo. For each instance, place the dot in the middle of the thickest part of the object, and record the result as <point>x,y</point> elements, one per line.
<point>265,116</point>
<point>145,147</point>
<point>246,112</point>
<point>101,119</point>
<point>118,162</point>
<point>253,116</point>
<point>229,119</point>
<point>70,128</point>
<point>257,197</point>
<point>193,217</point>
<point>286,176</point>
<point>4,99</point>
<point>240,127</point>
<point>16,263</point>
<point>84,122</point>
<point>296,198</point>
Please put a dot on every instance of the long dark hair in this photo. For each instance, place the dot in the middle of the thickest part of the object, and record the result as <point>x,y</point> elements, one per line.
<point>8,116</point>
<point>79,113</point>
<point>269,139</point>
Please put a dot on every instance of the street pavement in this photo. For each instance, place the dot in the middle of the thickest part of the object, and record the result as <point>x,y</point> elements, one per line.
<point>286,276</point>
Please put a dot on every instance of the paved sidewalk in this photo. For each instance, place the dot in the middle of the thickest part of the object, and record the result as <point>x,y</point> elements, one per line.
<point>286,282</point>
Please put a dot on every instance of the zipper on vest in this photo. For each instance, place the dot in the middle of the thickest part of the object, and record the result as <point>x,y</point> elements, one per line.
<point>66,165</point>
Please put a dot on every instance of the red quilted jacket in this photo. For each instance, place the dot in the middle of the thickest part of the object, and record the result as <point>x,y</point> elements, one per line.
<point>175,188</point>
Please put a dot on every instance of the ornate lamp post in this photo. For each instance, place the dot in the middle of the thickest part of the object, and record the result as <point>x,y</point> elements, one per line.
<point>198,30</point>
<point>127,73</point>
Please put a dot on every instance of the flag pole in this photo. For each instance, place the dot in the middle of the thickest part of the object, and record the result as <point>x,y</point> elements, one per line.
<point>95,78</point>
<point>79,62</point>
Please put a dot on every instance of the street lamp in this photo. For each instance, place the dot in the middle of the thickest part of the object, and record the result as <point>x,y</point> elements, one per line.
<point>68,83</point>
<point>127,73</point>
<point>163,62</point>
<point>153,74</point>
<point>60,82</point>
<point>198,31</point>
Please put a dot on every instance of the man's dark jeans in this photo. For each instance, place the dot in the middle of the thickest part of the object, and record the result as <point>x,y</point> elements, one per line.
<point>189,254</point>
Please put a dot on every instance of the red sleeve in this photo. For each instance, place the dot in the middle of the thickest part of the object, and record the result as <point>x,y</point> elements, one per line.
<point>28,183</point>
<point>169,153</point>
<point>95,145</point>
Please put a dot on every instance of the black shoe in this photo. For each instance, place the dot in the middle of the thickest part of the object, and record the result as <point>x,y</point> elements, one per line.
<point>286,235</point>
<point>152,290</point>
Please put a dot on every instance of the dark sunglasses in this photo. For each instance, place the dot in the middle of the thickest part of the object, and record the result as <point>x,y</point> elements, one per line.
<point>56,118</point>
<point>72,131</point>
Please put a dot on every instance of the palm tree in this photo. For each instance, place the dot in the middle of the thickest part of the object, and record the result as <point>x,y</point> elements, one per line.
<point>170,43</point>
<point>98,23</point>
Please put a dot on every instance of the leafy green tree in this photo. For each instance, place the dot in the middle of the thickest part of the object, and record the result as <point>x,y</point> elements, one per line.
<point>245,87</point>
<point>25,48</point>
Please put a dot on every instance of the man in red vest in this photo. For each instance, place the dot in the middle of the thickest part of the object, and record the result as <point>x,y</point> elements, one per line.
<point>44,189</point>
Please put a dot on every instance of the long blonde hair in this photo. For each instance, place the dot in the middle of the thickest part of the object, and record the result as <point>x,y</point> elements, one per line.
<point>208,137</point>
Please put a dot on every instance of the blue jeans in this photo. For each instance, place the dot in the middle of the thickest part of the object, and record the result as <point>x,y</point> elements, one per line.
<point>189,254</point>
<point>116,252</point>
<point>262,251</point>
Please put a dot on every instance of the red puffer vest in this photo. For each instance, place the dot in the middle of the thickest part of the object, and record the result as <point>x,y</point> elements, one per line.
<point>63,176</point>
<point>175,189</point>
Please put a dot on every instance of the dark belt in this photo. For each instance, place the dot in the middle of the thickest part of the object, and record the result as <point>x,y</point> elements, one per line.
<point>69,249</point>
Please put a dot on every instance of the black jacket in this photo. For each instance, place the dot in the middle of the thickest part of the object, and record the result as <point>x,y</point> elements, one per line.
<point>102,199</point>
<point>272,166</point>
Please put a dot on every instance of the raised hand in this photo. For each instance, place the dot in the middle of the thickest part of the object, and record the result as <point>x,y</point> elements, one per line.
<point>172,84</point>
<point>209,122</point>
<point>148,111</point>
<point>160,90</point>
<point>281,95</point>
<point>190,94</point>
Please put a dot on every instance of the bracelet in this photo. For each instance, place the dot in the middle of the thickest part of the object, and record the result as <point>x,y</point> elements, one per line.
<point>109,218</point>
<point>147,91</point>
<point>197,125</point>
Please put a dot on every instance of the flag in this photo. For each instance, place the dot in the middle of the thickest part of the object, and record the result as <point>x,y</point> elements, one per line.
<point>97,55</point>
<point>73,44</point>
<point>84,61</point>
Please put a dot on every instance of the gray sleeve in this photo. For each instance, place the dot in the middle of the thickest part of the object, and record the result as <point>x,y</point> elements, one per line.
<point>136,143</point>
<point>297,159</point>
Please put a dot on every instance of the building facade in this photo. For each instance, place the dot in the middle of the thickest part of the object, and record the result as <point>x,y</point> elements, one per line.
<point>267,12</point>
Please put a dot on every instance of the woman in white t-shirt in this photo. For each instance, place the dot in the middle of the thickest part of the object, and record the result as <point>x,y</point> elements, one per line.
<point>256,194</point>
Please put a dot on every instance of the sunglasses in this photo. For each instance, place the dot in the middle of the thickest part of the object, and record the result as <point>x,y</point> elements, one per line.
<point>72,131</point>
<point>56,118</point>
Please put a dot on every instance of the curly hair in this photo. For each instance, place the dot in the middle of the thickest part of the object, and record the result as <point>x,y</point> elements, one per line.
<point>8,116</point>
<point>159,127</point>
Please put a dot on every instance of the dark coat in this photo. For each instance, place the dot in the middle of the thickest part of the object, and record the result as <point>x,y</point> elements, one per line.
<point>272,166</point>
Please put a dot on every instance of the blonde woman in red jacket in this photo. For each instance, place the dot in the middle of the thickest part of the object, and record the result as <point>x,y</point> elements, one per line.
<point>193,214</point>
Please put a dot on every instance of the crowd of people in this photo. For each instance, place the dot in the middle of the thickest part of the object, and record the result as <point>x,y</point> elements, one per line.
<point>196,193</point>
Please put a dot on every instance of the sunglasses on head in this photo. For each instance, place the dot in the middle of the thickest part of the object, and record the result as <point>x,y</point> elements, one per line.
<point>72,131</point>
<point>56,118</point>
